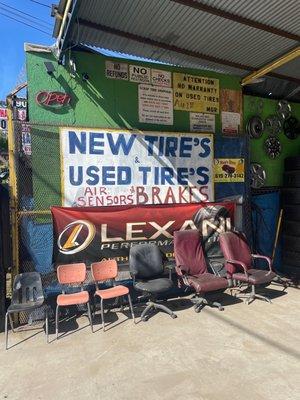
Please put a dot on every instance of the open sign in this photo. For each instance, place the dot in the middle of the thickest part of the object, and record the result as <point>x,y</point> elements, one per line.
<point>53,99</point>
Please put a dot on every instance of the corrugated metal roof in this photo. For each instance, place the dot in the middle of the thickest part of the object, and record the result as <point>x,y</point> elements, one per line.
<point>171,23</point>
<point>276,13</point>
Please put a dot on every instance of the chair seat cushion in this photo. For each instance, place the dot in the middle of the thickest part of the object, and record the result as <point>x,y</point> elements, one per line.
<point>73,298</point>
<point>255,276</point>
<point>207,282</point>
<point>158,285</point>
<point>112,292</point>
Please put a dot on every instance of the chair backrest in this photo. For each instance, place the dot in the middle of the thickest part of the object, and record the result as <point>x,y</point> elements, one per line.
<point>189,253</point>
<point>145,261</point>
<point>27,288</point>
<point>235,247</point>
<point>104,270</point>
<point>68,274</point>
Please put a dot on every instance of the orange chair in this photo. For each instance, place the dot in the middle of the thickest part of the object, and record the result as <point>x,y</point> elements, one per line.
<point>108,270</point>
<point>67,275</point>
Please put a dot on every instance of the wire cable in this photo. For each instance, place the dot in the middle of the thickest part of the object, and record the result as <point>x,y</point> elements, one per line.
<point>22,12</point>
<point>23,18</point>
<point>24,23</point>
<point>41,4</point>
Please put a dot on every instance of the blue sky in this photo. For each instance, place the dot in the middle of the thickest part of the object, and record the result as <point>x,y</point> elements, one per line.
<point>14,34</point>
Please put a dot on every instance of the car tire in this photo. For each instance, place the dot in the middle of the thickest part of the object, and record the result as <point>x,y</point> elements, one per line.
<point>292,163</point>
<point>291,179</point>
<point>291,196</point>
<point>290,243</point>
<point>291,213</point>
<point>291,258</point>
<point>291,228</point>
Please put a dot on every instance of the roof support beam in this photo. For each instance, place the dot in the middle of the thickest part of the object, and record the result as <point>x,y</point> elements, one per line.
<point>271,66</point>
<point>239,19</point>
<point>169,47</point>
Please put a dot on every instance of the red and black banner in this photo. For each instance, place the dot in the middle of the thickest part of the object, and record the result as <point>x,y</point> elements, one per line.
<point>97,233</point>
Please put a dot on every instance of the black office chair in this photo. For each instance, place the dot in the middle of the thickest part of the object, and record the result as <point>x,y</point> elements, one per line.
<point>27,296</point>
<point>147,268</point>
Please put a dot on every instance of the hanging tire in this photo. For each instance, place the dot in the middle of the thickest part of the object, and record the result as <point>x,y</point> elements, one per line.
<point>292,163</point>
<point>291,228</point>
<point>291,213</point>
<point>291,179</point>
<point>291,196</point>
<point>291,258</point>
<point>291,243</point>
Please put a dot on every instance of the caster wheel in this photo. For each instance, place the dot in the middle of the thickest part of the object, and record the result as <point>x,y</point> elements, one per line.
<point>197,309</point>
<point>145,318</point>
<point>173,316</point>
<point>221,308</point>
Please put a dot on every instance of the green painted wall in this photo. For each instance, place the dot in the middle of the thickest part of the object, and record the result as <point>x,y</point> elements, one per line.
<point>273,167</point>
<point>99,102</point>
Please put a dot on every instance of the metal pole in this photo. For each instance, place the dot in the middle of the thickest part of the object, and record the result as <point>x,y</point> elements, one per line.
<point>277,234</point>
<point>13,192</point>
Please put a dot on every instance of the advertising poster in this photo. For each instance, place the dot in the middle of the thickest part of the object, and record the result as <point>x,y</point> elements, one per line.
<point>116,70</point>
<point>99,233</point>
<point>231,123</point>
<point>155,105</point>
<point>196,93</point>
<point>229,170</point>
<point>200,122</point>
<point>118,167</point>
<point>139,74</point>
<point>161,78</point>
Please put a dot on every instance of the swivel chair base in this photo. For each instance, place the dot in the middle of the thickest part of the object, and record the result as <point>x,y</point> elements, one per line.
<point>201,302</point>
<point>150,305</point>
<point>250,297</point>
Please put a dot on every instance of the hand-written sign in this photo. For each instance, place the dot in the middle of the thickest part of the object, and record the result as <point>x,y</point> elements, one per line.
<point>196,93</point>
<point>229,170</point>
<point>107,167</point>
<point>53,99</point>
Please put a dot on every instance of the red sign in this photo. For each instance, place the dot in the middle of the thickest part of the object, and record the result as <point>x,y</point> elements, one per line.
<point>3,113</point>
<point>91,234</point>
<point>53,99</point>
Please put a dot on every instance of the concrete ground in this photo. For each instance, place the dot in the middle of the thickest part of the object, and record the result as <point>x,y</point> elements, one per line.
<point>245,352</point>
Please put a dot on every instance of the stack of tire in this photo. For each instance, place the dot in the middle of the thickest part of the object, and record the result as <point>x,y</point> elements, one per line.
<point>291,217</point>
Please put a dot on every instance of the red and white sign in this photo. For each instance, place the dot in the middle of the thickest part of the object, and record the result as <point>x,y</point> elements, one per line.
<point>53,99</point>
<point>97,233</point>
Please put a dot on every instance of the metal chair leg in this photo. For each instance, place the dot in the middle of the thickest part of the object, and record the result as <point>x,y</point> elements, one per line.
<point>11,322</point>
<point>102,315</point>
<point>90,315</point>
<point>94,306</point>
<point>165,309</point>
<point>149,306</point>
<point>6,331</point>
<point>56,322</point>
<point>47,324</point>
<point>131,308</point>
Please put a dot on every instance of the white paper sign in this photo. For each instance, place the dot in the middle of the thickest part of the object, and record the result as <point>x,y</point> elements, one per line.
<point>230,123</point>
<point>200,122</point>
<point>116,70</point>
<point>161,78</point>
<point>155,105</point>
<point>118,167</point>
<point>139,74</point>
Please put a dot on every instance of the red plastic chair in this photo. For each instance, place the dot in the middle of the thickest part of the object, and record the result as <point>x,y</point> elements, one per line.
<point>108,270</point>
<point>67,275</point>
